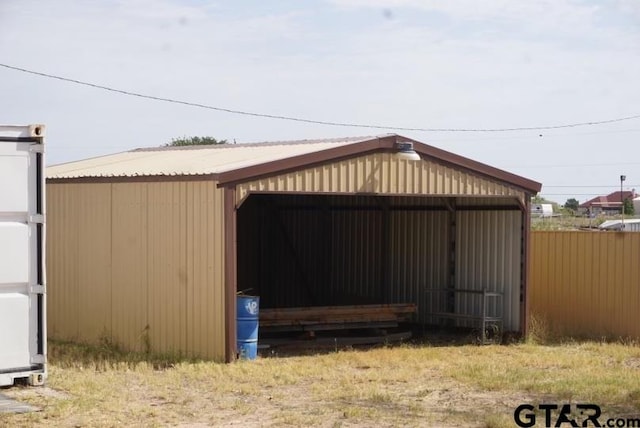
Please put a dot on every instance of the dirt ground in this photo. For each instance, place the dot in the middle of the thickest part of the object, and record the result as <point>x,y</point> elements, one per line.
<point>436,402</point>
<point>420,385</point>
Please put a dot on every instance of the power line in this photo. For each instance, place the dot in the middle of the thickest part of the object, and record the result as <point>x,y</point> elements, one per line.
<point>571,165</point>
<point>316,122</point>
<point>569,194</point>
<point>532,137</point>
<point>594,186</point>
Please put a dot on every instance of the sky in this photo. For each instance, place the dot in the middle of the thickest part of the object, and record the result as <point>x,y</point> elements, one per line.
<point>430,64</point>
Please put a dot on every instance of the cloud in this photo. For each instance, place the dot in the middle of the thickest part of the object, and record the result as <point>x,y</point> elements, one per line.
<point>485,10</point>
<point>465,63</point>
<point>520,19</point>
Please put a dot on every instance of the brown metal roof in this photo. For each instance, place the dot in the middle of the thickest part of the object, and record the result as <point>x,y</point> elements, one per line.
<point>234,163</point>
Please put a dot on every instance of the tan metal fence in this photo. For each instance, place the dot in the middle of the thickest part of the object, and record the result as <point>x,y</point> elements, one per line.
<point>586,284</point>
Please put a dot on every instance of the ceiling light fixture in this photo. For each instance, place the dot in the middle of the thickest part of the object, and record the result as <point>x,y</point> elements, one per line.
<point>405,151</point>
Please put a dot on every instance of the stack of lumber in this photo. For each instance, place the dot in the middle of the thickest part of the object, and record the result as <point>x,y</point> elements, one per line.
<point>335,317</point>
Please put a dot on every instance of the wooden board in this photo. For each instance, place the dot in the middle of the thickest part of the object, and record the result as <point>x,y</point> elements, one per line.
<point>336,317</point>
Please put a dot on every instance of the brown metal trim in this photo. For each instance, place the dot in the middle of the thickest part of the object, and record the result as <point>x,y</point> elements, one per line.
<point>230,273</point>
<point>136,179</point>
<point>475,166</point>
<point>378,144</point>
<point>296,162</point>
<point>526,263</point>
<point>386,143</point>
<point>399,208</point>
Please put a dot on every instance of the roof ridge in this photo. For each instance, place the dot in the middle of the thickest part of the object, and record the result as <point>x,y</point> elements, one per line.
<point>261,144</point>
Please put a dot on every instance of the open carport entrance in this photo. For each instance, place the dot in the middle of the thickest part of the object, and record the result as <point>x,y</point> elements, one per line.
<point>371,261</point>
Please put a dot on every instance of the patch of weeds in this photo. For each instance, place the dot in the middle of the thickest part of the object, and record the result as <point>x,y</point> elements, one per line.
<point>353,412</point>
<point>107,355</point>
<point>634,398</point>
<point>498,420</point>
<point>539,330</point>
<point>317,411</point>
<point>424,393</point>
<point>380,398</point>
<point>294,418</point>
<point>414,409</point>
<point>145,338</point>
<point>242,407</point>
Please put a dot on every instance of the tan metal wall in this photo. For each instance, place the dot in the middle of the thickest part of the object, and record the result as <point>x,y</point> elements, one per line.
<point>587,283</point>
<point>79,260</point>
<point>381,173</point>
<point>141,263</point>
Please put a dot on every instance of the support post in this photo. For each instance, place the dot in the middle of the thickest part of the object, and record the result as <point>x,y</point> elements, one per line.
<point>524,265</point>
<point>230,273</point>
<point>451,285</point>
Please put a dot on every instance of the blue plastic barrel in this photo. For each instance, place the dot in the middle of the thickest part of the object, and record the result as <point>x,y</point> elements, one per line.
<point>247,308</point>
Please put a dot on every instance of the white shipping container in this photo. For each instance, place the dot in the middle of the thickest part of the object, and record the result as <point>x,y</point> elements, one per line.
<point>22,265</point>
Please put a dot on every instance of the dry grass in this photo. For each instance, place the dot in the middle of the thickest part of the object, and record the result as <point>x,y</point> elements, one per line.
<point>406,385</point>
<point>568,222</point>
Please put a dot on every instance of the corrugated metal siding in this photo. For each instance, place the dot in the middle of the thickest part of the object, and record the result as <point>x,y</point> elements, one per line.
<point>488,255</point>
<point>381,173</point>
<point>79,261</point>
<point>586,283</point>
<point>356,257</point>
<point>310,251</point>
<point>305,250</point>
<point>487,201</point>
<point>140,263</point>
<point>129,285</point>
<point>418,260</point>
<point>278,254</point>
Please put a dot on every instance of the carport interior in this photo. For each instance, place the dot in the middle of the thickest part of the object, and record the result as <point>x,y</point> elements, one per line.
<point>308,251</point>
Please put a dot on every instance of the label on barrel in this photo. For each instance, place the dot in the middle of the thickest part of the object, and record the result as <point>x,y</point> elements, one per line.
<point>251,307</point>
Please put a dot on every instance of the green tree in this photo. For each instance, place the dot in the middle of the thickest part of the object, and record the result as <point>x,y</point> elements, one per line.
<point>537,199</point>
<point>194,141</point>
<point>628,207</point>
<point>572,204</point>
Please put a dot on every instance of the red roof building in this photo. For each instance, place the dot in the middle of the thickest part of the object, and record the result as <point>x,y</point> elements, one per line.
<point>609,204</point>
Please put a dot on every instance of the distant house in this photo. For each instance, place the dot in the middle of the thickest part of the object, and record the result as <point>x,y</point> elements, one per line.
<point>609,204</point>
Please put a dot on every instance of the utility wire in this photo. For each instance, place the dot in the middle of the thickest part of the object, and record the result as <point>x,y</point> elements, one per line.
<point>571,165</point>
<point>317,122</point>
<point>569,194</point>
<point>589,187</point>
